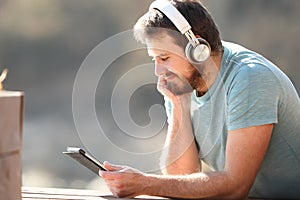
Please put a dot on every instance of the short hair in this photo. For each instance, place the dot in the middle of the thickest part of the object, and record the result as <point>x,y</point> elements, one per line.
<point>195,13</point>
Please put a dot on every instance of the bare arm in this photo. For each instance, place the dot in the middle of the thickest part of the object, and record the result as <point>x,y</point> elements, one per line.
<point>180,155</point>
<point>244,154</point>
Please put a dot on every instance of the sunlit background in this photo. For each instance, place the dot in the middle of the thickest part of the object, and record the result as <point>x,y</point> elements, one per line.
<point>44,42</point>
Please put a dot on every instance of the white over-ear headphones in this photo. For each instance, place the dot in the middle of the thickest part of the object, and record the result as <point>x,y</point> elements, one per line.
<point>197,50</point>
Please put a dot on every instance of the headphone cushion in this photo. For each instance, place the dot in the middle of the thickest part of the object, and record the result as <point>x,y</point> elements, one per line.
<point>198,54</point>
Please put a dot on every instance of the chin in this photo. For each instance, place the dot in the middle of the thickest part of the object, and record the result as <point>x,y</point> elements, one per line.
<point>181,91</point>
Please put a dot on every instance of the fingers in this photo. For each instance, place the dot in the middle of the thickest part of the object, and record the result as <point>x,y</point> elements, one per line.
<point>115,180</point>
<point>163,88</point>
<point>161,84</point>
<point>112,167</point>
<point>109,175</point>
<point>122,181</point>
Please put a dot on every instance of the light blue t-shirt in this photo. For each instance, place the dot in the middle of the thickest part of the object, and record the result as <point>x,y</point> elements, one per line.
<point>251,91</point>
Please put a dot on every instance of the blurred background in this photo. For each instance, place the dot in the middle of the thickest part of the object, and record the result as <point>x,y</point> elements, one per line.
<point>44,42</point>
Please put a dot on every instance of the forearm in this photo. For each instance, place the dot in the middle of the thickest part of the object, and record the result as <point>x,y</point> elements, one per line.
<point>180,155</point>
<point>194,186</point>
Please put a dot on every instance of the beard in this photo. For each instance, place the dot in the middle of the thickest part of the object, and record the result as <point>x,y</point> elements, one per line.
<point>181,85</point>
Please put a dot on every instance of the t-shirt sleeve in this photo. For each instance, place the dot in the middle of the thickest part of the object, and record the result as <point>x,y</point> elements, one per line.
<point>253,97</point>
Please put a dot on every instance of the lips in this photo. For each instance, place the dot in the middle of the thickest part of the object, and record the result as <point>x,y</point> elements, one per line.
<point>169,76</point>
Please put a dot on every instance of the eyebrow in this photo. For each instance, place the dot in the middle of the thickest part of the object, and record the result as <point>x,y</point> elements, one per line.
<point>159,55</point>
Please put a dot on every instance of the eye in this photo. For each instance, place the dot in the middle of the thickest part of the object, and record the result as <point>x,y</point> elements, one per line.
<point>164,58</point>
<point>161,58</point>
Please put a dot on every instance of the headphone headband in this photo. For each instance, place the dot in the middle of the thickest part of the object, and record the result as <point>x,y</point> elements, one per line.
<point>197,50</point>
<point>173,14</point>
<point>176,18</point>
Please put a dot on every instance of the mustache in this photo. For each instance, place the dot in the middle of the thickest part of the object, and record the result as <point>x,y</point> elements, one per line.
<point>194,75</point>
<point>168,74</point>
<point>171,73</point>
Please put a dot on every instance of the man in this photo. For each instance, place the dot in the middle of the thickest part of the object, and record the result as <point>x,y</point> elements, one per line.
<point>236,111</point>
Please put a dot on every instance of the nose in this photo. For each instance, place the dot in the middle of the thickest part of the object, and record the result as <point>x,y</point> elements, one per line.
<point>160,68</point>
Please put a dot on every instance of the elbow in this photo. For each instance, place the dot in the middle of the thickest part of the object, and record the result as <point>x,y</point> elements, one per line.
<point>239,192</point>
<point>237,189</point>
<point>238,195</point>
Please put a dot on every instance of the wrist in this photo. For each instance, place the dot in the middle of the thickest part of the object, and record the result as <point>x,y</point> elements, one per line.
<point>152,187</point>
<point>182,103</point>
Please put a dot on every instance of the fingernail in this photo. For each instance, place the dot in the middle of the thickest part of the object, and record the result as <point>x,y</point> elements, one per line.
<point>100,173</point>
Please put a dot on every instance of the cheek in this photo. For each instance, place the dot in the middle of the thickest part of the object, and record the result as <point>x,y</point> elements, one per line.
<point>184,68</point>
<point>179,64</point>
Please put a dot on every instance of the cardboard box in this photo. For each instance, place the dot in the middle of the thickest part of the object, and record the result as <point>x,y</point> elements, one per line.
<point>11,121</point>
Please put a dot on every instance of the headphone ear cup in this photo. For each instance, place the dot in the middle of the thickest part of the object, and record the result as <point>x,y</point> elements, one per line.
<point>198,54</point>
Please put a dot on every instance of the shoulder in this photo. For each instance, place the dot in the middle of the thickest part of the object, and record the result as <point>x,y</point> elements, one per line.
<point>243,67</point>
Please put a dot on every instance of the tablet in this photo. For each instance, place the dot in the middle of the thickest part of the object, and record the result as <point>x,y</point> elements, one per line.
<point>85,159</point>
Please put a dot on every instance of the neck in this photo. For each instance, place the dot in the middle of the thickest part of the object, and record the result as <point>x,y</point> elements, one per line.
<point>209,74</point>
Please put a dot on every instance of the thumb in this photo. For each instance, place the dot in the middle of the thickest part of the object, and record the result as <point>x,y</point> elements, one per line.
<point>112,167</point>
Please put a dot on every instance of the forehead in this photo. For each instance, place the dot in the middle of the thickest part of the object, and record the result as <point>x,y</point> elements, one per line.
<point>163,44</point>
